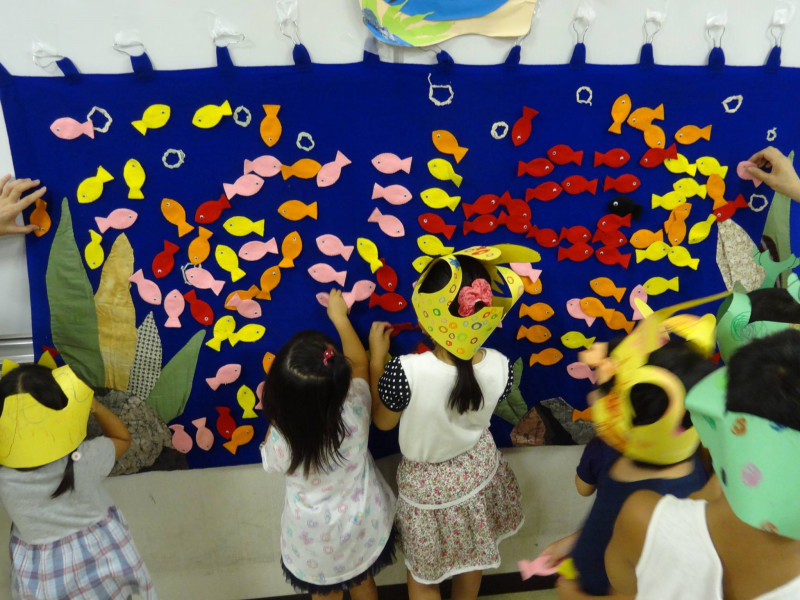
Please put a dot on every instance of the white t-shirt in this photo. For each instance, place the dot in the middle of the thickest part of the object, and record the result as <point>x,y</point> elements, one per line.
<point>679,561</point>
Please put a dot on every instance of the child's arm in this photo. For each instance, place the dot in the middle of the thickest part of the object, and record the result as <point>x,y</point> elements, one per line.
<point>584,489</point>
<point>379,334</point>
<point>112,427</point>
<point>351,345</point>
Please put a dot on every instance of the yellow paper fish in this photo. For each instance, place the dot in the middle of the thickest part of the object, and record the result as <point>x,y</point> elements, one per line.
<point>619,112</point>
<point>291,246</point>
<point>442,169</point>
<point>438,198</point>
<point>421,262</point>
<point>446,143</point>
<point>209,115</point>
<point>708,165</point>
<point>575,339</point>
<point>199,248</point>
<point>669,200</point>
<point>154,117</point>
<point>689,187</point>
<point>271,127</point>
<point>680,165</point>
<point>680,257</point>
<point>134,177</point>
<point>294,210</point>
<point>91,188</point>
<point>433,246</point>
<point>223,329</point>
<point>93,252</point>
<point>655,251</point>
<point>227,259</point>
<point>248,333</point>
<point>174,213</point>
<point>701,230</point>
<point>247,400</point>
<point>658,285</point>
<point>369,252</point>
<point>241,226</point>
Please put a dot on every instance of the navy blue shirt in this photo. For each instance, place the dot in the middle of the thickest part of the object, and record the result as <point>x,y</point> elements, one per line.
<point>594,467</point>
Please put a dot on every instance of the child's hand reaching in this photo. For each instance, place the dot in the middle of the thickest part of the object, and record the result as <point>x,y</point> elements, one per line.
<point>379,336</point>
<point>337,307</point>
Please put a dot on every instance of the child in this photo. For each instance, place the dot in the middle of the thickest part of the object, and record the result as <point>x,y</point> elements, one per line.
<point>68,540</point>
<point>457,496</point>
<point>336,528</point>
<point>745,543</point>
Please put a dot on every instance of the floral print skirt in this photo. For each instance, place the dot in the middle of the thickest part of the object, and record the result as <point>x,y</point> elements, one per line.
<point>452,515</point>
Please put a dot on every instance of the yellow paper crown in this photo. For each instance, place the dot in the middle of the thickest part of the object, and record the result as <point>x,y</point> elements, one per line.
<point>32,435</point>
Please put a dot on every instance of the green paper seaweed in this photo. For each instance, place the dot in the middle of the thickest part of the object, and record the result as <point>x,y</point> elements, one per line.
<point>171,391</point>
<point>73,320</point>
<point>146,367</point>
<point>513,408</point>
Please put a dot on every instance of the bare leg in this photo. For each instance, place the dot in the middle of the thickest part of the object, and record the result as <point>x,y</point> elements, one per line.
<point>331,596</point>
<point>422,591</point>
<point>467,585</point>
<point>366,590</point>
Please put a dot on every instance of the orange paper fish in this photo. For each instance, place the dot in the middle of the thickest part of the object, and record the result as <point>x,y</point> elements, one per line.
<point>642,118</point>
<point>535,334</point>
<point>241,435</point>
<point>199,248</point>
<point>616,320</point>
<point>305,168</point>
<point>267,361</point>
<point>715,188</point>
<point>538,312</point>
<point>174,213</point>
<point>294,210</point>
<point>291,247</point>
<point>269,281</point>
<point>689,134</point>
<point>446,143</point>
<point>654,136</point>
<point>40,218</point>
<point>642,238</point>
<point>592,307</point>
<point>603,286</point>
<point>271,127</point>
<point>243,295</point>
<point>547,357</point>
<point>530,286</point>
<point>619,112</point>
<point>582,415</point>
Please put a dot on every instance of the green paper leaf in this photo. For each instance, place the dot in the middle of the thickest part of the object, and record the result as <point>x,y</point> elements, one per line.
<point>513,408</point>
<point>171,391</point>
<point>73,320</point>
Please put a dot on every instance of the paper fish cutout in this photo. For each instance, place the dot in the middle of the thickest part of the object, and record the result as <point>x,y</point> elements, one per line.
<point>484,205</point>
<point>239,437</point>
<point>577,184</point>
<point>514,224</point>
<point>389,163</point>
<point>210,115</point>
<point>525,269</point>
<point>536,333</point>
<point>613,158</point>
<point>438,198</point>
<point>266,364</point>
<point>726,211</point>
<point>91,188</point>
<point>612,222</point>
<point>223,329</point>
<point>432,246</point>
<point>482,224</point>
<point>389,224</point>
<point>538,167</point>
<point>547,238</point>
<point>208,212</point>
<point>576,253</point>
<point>369,252</point>
<point>715,188</point>
<point>247,401</point>
<point>294,210</point>
<point>247,294</point>
<point>330,172</point>
<point>291,247</point>
<point>93,252</point>
<point>270,279</point>
<point>655,251</point>
<point>257,250</point>
<point>121,218</point>
<point>562,154</point>
<point>701,230</point>
<point>616,320</point>
<point>242,226</point>
<point>603,286</point>
<point>200,310</point>
<point>538,312</point>
<point>708,165</point>
<point>538,566</point>
<point>619,113</point>
<point>446,143</point>
<point>41,218</point>
<point>574,310</point>
<point>521,130</point>
<point>175,214</point>
<point>579,370</point>
<point>325,273</point>
<point>330,245</point>
<point>575,339</point>
<point>305,168</point>
<point>643,117</point>
<point>391,301</point>
<point>227,260</point>
<point>743,172</point>
<point>442,169</point>
<point>362,290</point>
<point>201,279</point>
<point>148,290</point>
<point>689,134</point>
<point>544,192</point>
<point>421,262</point>
<point>225,423</point>
<point>680,257</point>
<point>624,184</point>
<point>154,117</point>
<point>174,305</point>
<point>246,185</point>
<point>263,166</point>
<point>688,187</point>
<point>547,357</point>
<point>68,128</point>
<point>533,287</point>
<point>638,293</point>
<point>680,164</point>
<point>642,238</point>
<point>181,440</point>
<point>657,156</point>
<point>654,136</point>
<point>246,307</point>
<point>577,234</point>
<point>675,225</point>
<point>593,307</point>
<point>668,201</point>
<point>614,238</point>
<point>204,436</point>
<point>199,247</point>
<point>433,223</point>
<point>610,255</point>
<point>270,128</point>
<point>393,194</point>
<point>397,328</point>
<point>658,285</point>
<point>260,393</point>
<point>164,261</point>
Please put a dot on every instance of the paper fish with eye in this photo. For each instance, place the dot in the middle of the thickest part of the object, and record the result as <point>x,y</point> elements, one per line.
<point>688,187</point>
<point>421,262</point>
<point>689,134</point>
<point>482,224</point>
<point>575,339</point>
<point>223,328</point>
<point>240,436</point>
<point>438,198</point>
<point>576,253</point>
<point>389,224</point>
<point>148,290</point>
<point>574,310</point>
<point>228,261</point>
<point>175,214</point>
<point>93,252</point>
<point>643,117</point>
<point>610,255</point>
<point>619,113</point>
<point>270,279</point>
<point>174,305</point>
<point>330,172</point>
<point>389,163</point>
<point>536,333</point>
<point>561,154</point>
<point>442,169</point>
<point>305,168</point>
<point>540,311</point>
<point>208,212</point>
<point>225,374</point>
<point>624,184</point>
<point>121,218</point>
<point>446,143</point>
<point>603,286</point>
<point>680,164</point>
<point>203,280</point>
<point>701,230</point>
<point>727,210</point>
<point>256,250</point>
<point>488,203</point>
<point>394,194</point>
<point>200,310</point>
<point>68,128</point>
<point>521,130</point>
<point>387,277</point>
<point>531,286</point>
<point>181,441</point>
<point>154,117</point>
<point>579,370</point>
<point>538,167</point>
<point>680,257</point>
<point>210,115</point>
<point>708,165</point>
<point>266,364</point>
<point>642,238</point>
<point>715,188</point>
<point>291,247</point>
<point>247,294</point>
<point>164,261</point>
<point>204,436</point>
<point>91,188</point>
<point>433,223</point>
<point>134,177</point>
<point>270,128</point>
<point>654,137</point>
<point>248,308</point>
<point>547,357</point>
<point>246,185</point>
<point>294,210</point>
<point>544,192</point>
<point>199,247</point>
<point>547,238</point>
<point>324,273</point>
<point>432,246</point>
<point>391,301</point>
<point>615,158</point>
<point>330,245</point>
<point>668,201</point>
<point>263,166</point>
<point>247,401</point>
<point>225,424</point>
<point>637,293</point>
<point>622,205</point>
<point>362,290</point>
<point>743,171</point>
<point>675,225</point>
<point>655,251</point>
<point>41,219</point>
<point>657,156</point>
<point>242,226</point>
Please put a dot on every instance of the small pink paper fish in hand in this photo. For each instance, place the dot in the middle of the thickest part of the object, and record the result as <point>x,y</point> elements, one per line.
<point>203,280</point>
<point>743,173</point>
<point>257,250</point>
<point>325,273</point>
<point>180,439</point>
<point>121,218</point>
<point>148,290</point>
<point>391,163</point>
<point>640,293</point>
<point>246,185</point>
<point>394,194</point>
<point>538,566</point>
<point>265,166</point>
<point>204,436</point>
<point>574,310</point>
<point>225,374</point>
<point>579,370</point>
<point>330,172</point>
<point>174,305</point>
<point>68,128</point>
<point>248,308</point>
<point>330,245</point>
<point>389,224</point>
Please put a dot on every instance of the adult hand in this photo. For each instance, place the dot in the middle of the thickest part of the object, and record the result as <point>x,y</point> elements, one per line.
<point>781,176</point>
<point>12,203</point>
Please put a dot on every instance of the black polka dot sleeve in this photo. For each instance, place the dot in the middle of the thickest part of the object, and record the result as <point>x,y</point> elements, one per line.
<point>509,383</point>
<point>393,387</point>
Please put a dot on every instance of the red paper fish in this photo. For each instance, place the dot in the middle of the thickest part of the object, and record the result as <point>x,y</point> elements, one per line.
<point>521,130</point>
<point>390,301</point>
<point>611,222</point>
<point>624,184</point>
<point>563,155</point>
<point>727,210</point>
<point>516,208</point>
<point>609,255</point>
<point>577,252</point>
<point>210,211</point>
<point>201,311</point>
<point>421,349</point>
<point>656,156</point>
<point>538,167</point>
<point>578,234</point>
<point>164,261</point>
<point>482,224</point>
<point>546,238</point>
<point>545,192</point>
<point>577,184</point>
<point>613,238</point>
<point>484,205</point>
<point>433,223</point>
<point>225,423</point>
<point>397,328</point>
<point>387,277</point>
<point>514,224</point>
<point>613,158</point>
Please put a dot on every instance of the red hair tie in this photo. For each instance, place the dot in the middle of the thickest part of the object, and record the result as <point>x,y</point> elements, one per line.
<point>469,296</point>
<point>328,354</point>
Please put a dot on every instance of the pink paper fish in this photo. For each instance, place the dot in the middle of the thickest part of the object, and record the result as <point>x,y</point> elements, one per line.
<point>68,128</point>
<point>265,166</point>
<point>174,305</point>
<point>640,293</point>
<point>579,370</point>
<point>361,291</point>
<point>204,436</point>
<point>122,218</point>
<point>180,439</point>
<point>538,566</point>
<point>246,185</point>
<point>574,310</point>
<point>325,273</point>
<point>148,290</point>
<point>330,245</point>
<point>393,194</point>
<point>743,173</point>
<point>249,308</point>
<point>256,249</point>
<point>330,172</point>
<point>225,374</point>
<point>389,224</point>
<point>260,396</point>
<point>391,163</point>
<point>203,280</point>
<point>526,270</point>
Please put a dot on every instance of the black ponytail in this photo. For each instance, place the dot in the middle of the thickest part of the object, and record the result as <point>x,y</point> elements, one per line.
<point>466,394</point>
<point>67,481</point>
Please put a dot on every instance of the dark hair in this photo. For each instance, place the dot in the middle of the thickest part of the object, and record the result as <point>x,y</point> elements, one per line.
<point>764,378</point>
<point>38,381</point>
<point>773,304</point>
<point>303,398</point>
<point>466,394</point>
